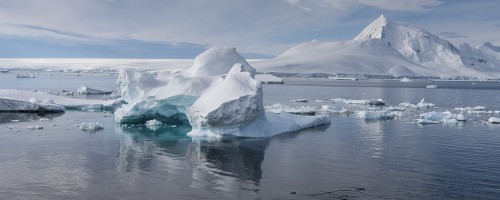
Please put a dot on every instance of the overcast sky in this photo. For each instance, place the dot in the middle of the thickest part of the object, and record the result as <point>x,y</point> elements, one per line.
<point>257,28</point>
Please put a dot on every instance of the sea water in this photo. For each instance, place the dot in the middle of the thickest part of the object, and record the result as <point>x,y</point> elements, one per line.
<point>351,158</point>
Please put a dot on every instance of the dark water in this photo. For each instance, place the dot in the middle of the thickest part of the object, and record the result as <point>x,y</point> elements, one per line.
<point>349,159</point>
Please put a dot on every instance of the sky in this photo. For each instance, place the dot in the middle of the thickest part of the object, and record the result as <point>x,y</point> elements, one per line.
<point>257,28</point>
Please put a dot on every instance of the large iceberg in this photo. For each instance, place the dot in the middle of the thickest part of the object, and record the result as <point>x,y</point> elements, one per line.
<point>217,96</point>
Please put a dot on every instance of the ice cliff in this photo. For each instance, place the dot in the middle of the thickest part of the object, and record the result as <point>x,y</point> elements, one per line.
<point>217,96</point>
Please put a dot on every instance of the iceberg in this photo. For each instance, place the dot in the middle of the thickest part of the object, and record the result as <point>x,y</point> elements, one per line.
<point>217,96</point>
<point>83,89</point>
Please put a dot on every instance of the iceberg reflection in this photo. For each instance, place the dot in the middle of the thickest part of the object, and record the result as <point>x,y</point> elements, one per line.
<point>217,165</point>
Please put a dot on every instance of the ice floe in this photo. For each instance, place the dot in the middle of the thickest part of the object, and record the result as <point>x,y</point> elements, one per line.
<point>268,79</point>
<point>300,100</point>
<point>373,102</point>
<point>376,115</point>
<point>83,89</point>
<point>420,105</point>
<point>494,120</point>
<point>12,100</point>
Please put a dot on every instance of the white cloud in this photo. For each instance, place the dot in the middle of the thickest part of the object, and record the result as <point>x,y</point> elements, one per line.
<point>397,5</point>
<point>259,26</point>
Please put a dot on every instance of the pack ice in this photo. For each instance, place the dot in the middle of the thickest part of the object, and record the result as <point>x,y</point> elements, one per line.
<point>217,96</point>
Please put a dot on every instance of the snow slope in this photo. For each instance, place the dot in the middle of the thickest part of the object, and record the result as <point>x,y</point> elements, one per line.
<point>386,48</point>
<point>490,49</point>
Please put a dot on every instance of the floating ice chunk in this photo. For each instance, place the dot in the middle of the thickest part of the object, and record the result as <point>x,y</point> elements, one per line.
<point>434,116</point>
<point>25,76</point>
<point>407,105</point>
<point>494,120</point>
<point>91,126</point>
<point>405,79</point>
<point>34,127</point>
<point>153,124</point>
<point>441,117</point>
<point>217,61</point>
<point>299,110</point>
<point>373,102</point>
<point>83,89</point>
<point>268,79</point>
<point>376,102</point>
<point>474,110</point>
<point>424,104</point>
<point>44,119</point>
<point>425,121</point>
<point>375,115</point>
<point>460,117</point>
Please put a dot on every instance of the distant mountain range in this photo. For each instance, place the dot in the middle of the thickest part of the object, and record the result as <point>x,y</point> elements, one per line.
<point>385,47</point>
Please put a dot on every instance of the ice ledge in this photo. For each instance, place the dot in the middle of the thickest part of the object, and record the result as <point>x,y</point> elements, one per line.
<point>267,125</point>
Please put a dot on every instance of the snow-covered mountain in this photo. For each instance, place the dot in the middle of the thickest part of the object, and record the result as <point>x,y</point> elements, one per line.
<point>385,47</point>
<point>490,49</point>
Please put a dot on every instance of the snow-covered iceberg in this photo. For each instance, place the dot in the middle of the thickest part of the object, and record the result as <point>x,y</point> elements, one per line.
<point>217,96</point>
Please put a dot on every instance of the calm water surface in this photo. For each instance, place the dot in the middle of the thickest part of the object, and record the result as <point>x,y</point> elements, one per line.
<point>349,159</point>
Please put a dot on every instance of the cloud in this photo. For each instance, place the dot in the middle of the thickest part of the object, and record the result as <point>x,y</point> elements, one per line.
<point>396,5</point>
<point>253,26</point>
<point>452,35</point>
<point>25,47</point>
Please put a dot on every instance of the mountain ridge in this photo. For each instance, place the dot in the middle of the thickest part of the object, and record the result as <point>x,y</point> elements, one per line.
<point>385,47</point>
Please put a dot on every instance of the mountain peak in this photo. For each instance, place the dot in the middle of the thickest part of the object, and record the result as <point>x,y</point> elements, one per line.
<point>375,29</point>
<point>381,19</point>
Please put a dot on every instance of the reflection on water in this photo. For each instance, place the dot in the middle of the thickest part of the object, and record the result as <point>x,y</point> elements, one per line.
<point>372,134</point>
<point>223,166</point>
<point>24,117</point>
